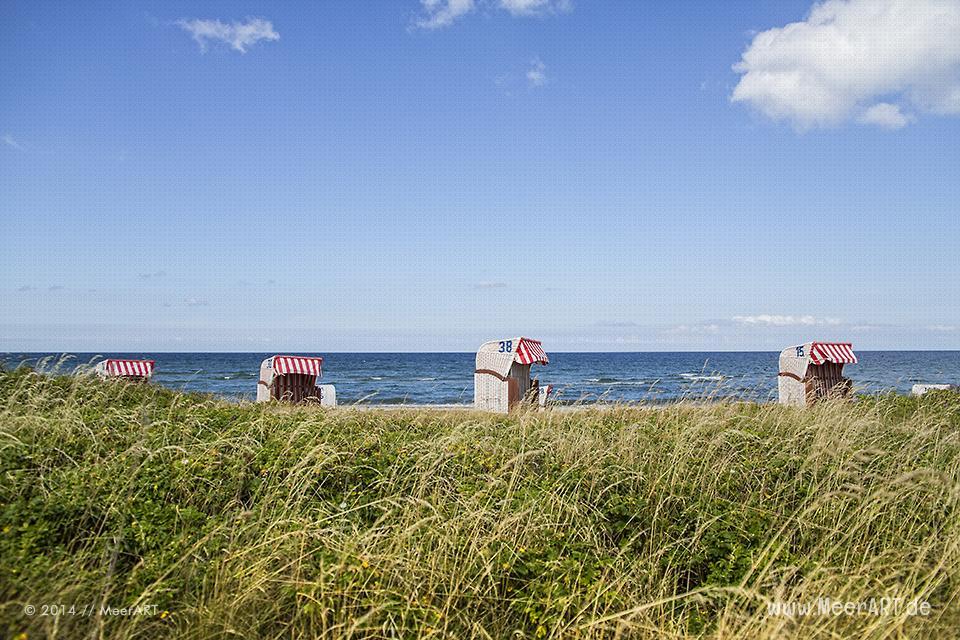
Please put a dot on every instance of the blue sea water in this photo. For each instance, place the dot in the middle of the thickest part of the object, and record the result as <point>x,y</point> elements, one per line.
<point>447,378</point>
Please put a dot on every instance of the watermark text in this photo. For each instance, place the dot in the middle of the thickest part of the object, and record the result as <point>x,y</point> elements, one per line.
<point>883,606</point>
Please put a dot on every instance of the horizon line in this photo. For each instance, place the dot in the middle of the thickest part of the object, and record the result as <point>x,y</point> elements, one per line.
<point>306,351</point>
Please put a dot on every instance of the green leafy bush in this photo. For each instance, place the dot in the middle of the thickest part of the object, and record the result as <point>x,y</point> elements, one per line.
<point>273,521</point>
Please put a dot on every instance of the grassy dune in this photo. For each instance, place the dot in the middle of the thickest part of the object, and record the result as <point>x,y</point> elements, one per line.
<point>273,522</point>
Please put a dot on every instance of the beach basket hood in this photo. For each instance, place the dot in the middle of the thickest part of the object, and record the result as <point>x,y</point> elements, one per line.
<point>312,366</point>
<point>500,355</point>
<point>122,367</point>
<point>836,352</point>
<point>795,360</point>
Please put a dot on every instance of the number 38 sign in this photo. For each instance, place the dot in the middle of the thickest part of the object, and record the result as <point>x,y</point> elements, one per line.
<point>506,346</point>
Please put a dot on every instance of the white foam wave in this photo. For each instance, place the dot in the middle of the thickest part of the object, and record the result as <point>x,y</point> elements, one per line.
<point>696,377</point>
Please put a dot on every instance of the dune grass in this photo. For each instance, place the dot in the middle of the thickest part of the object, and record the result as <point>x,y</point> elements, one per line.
<point>224,520</point>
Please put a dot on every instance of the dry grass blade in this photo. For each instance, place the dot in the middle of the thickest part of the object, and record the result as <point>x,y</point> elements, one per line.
<point>715,520</point>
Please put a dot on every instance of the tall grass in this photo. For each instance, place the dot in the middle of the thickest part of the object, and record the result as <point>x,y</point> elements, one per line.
<point>279,522</point>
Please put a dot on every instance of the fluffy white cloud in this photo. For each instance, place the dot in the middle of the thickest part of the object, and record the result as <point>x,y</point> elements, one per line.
<point>862,59</point>
<point>886,115</point>
<point>239,35</point>
<point>772,320</point>
<point>442,13</point>
<point>537,74</point>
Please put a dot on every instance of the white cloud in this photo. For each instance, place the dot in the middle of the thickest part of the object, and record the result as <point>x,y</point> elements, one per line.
<point>772,320</point>
<point>10,142</point>
<point>443,13</point>
<point>536,74</point>
<point>534,7</point>
<point>862,59</point>
<point>239,35</point>
<point>886,115</point>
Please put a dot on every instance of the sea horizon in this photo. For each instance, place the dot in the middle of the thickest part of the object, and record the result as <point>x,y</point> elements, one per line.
<point>437,377</point>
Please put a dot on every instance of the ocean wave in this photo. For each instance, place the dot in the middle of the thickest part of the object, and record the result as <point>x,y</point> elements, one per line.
<point>616,382</point>
<point>238,376</point>
<point>374,399</point>
<point>697,377</point>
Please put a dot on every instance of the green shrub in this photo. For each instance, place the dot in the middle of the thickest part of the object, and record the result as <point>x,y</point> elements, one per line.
<point>265,520</point>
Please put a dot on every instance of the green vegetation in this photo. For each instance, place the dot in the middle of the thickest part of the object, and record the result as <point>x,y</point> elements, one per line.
<point>279,522</point>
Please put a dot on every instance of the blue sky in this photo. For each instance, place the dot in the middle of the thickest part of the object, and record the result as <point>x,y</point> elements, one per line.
<point>424,176</point>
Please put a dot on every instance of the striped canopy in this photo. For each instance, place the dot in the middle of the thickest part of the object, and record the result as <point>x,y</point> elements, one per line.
<point>283,365</point>
<point>530,351</point>
<point>142,368</point>
<point>838,352</point>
